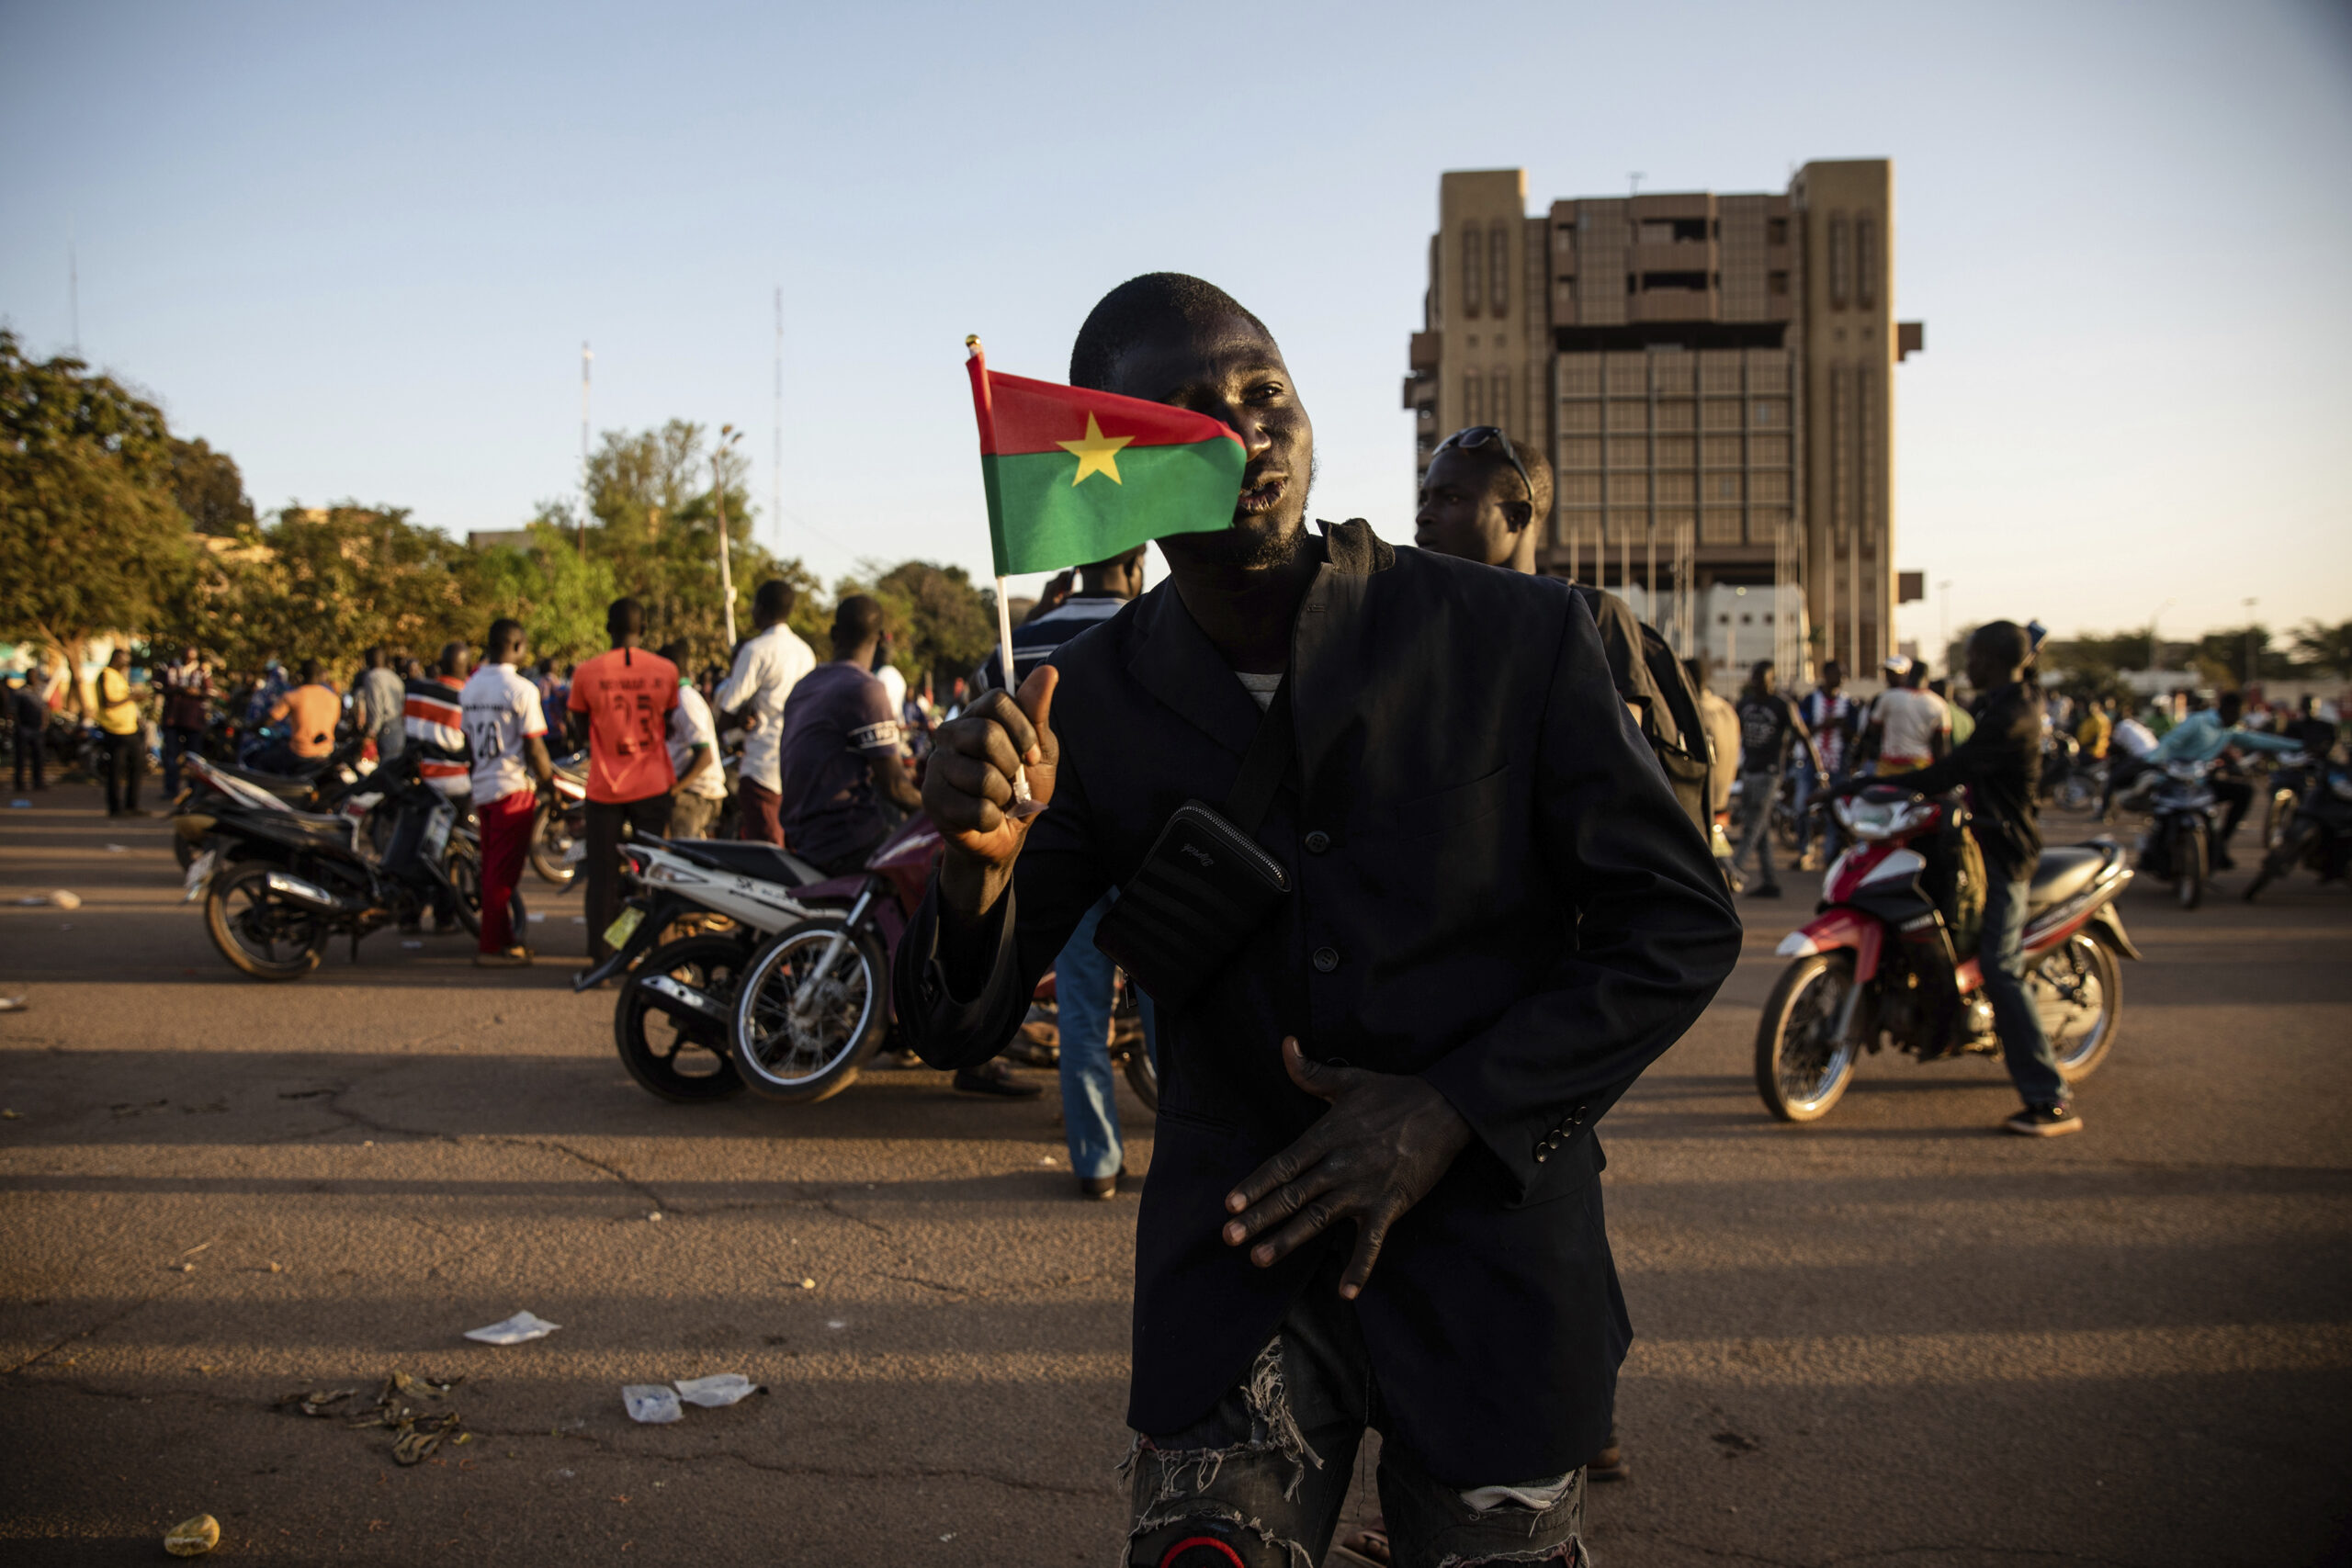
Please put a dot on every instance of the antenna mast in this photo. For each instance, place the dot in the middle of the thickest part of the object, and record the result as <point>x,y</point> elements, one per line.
<point>587,359</point>
<point>775,464</point>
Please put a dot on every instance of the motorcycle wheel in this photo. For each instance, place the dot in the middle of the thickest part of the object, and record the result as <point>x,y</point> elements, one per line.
<point>2189,865</point>
<point>1143,1076</point>
<point>680,1058</point>
<point>2277,817</point>
<point>461,864</point>
<point>2077,989</point>
<point>814,1056</point>
<point>2283,858</point>
<point>258,932</point>
<point>1800,1072</point>
<point>550,842</point>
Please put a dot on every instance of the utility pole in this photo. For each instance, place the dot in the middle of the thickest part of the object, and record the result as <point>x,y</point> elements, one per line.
<point>2156,649</point>
<point>776,462</point>
<point>2249,642</point>
<point>587,359</point>
<point>728,436</point>
<point>74,288</point>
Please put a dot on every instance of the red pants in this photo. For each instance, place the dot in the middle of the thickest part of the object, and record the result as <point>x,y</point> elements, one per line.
<point>505,840</point>
<point>756,813</point>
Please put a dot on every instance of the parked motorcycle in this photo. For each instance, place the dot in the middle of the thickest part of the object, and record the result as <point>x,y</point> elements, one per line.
<point>2291,774</point>
<point>815,1005</point>
<point>1879,963</point>
<point>560,830</point>
<point>2184,817</point>
<point>677,1001</point>
<point>278,882</point>
<point>332,784</point>
<point>2319,834</point>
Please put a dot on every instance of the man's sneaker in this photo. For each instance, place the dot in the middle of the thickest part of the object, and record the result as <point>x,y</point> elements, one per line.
<point>1101,1187</point>
<point>2044,1121</point>
<point>996,1079</point>
<point>513,958</point>
<point>1608,1464</point>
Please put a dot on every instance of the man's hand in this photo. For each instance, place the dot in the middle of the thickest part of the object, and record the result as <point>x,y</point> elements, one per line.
<point>968,790</point>
<point>1379,1149</point>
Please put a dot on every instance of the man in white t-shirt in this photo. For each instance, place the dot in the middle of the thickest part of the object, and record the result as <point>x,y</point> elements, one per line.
<point>1911,727</point>
<point>700,793</point>
<point>767,667</point>
<point>506,731</point>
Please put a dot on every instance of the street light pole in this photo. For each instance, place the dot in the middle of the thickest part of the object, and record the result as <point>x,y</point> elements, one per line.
<point>728,436</point>
<point>2249,642</point>
<point>2156,649</point>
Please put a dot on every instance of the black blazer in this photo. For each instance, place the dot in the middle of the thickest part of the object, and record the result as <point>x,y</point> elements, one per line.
<point>1494,888</point>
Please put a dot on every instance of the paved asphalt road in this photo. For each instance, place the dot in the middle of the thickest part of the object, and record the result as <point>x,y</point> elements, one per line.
<point>1893,1338</point>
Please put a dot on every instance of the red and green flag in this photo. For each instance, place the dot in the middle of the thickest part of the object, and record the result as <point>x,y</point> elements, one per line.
<point>1075,477</point>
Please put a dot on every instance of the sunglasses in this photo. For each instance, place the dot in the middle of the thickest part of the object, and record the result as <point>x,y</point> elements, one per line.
<point>1470,438</point>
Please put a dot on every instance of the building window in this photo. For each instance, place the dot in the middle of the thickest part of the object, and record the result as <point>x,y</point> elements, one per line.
<point>1776,284</point>
<point>1694,281</point>
<point>1564,239</point>
<point>1499,270</point>
<point>1866,261</point>
<point>1776,230</point>
<point>1473,267</point>
<point>1499,412</point>
<point>1471,401</point>
<point>1841,262</point>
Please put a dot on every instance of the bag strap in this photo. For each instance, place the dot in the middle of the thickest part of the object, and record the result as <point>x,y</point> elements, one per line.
<point>1263,765</point>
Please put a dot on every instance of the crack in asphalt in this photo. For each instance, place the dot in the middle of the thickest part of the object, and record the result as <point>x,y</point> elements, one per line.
<point>103,1323</point>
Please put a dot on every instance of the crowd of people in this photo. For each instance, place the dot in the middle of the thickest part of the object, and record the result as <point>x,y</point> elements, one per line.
<point>1374,1200</point>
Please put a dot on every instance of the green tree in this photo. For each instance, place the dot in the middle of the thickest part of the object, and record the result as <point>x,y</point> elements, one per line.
<point>654,495</point>
<point>209,489</point>
<point>92,540</point>
<point>2221,657</point>
<point>2325,647</point>
<point>557,593</point>
<point>941,620</point>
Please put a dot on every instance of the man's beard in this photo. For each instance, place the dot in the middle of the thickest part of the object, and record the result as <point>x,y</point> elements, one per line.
<point>1252,544</point>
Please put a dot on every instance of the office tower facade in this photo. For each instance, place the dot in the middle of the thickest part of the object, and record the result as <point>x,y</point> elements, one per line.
<point>1713,376</point>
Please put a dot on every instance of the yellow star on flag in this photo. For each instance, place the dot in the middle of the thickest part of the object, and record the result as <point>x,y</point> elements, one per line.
<point>1097,453</point>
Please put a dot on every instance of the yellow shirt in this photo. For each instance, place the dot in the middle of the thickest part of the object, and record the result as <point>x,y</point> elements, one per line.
<point>118,713</point>
<point>2092,734</point>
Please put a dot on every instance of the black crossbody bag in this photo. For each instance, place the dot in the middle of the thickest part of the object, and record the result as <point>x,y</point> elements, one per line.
<point>1207,887</point>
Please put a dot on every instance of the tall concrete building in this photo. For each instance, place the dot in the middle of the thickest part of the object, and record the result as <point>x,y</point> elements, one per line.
<point>1713,378</point>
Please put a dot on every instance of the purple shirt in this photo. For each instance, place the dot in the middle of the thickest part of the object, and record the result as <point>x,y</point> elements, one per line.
<point>837,718</point>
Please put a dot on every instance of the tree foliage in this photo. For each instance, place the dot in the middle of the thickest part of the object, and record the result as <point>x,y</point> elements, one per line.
<point>92,539</point>
<point>939,619</point>
<point>2327,647</point>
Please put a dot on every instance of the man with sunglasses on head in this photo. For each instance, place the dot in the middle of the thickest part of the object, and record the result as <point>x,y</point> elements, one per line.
<point>1487,498</point>
<point>1491,915</point>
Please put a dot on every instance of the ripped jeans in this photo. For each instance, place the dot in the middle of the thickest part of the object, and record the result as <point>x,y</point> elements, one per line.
<point>1260,1481</point>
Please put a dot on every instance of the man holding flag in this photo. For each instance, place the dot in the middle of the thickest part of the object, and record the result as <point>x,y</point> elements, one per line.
<point>1470,933</point>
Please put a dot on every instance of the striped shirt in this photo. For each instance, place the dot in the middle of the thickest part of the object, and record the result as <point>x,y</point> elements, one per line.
<point>435,727</point>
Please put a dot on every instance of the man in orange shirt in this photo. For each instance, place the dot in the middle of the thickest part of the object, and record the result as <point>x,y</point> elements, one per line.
<point>620,704</point>
<point>310,713</point>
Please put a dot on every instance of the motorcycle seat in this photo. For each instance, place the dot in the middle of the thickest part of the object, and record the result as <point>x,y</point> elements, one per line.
<point>2065,871</point>
<point>750,858</point>
<point>287,784</point>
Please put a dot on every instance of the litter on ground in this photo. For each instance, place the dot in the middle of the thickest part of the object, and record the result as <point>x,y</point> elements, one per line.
<point>652,1403</point>
<point>514,1330</point>
<point>718,1390</point>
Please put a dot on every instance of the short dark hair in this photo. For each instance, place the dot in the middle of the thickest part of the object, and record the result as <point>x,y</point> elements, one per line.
<point>453,658</point>
<point>2005,641</point>
<point>1758,671</point>
<point>311,668</point>
<point>1531,458</point>
<point>374,656</point>
<point>677,653</point>
<point>626,618</point>
<point>774,601</point>
<point>1696,669</point>
<point>2230,706</point>
<point>856,618</point>
<point>1140,307</point>
<point>504,633</point>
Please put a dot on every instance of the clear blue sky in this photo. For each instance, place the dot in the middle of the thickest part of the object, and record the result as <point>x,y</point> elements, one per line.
<point>358,248</point>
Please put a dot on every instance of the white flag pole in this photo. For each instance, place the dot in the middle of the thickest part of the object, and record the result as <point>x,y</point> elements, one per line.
<point>1023,804</point>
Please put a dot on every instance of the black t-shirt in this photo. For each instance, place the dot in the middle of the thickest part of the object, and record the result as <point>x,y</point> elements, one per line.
<point>2314,735</point>
<point>836,718</point>
<point>2001,764</point>
<point>1767,728</point>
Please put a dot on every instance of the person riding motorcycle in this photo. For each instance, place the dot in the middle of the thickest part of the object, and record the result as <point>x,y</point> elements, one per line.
<point>2203,737</point>
<point>2001,763</point>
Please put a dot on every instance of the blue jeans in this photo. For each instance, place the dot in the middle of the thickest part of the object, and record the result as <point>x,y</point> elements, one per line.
<point>1755,792</point>
<point>1807,787</point>
<point>1082,982</point>
<point>2024,1047</point>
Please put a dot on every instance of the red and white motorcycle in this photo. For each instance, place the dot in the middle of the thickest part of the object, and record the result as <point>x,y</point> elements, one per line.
<point>1879,961</point>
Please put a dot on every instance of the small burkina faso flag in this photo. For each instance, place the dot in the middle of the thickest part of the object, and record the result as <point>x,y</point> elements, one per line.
<point>1075,476</point>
